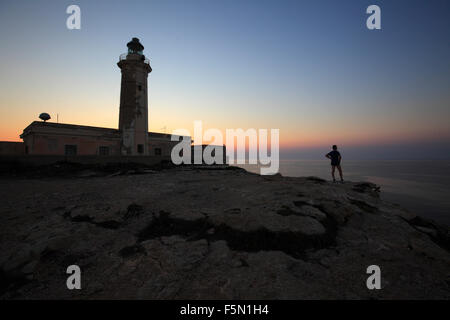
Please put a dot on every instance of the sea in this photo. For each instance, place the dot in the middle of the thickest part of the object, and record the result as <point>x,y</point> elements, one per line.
<point>422,187</point>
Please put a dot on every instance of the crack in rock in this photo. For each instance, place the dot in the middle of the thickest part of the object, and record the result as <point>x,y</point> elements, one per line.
<point>108,224</point>
<point>292,243</point>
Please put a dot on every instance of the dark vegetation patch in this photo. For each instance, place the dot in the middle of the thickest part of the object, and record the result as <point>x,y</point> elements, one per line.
<point>134,210</point>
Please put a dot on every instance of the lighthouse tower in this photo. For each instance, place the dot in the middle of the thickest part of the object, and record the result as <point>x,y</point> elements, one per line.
<point>133,114</point>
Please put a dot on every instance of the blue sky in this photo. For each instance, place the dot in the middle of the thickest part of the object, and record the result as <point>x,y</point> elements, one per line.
<point>310,68</point>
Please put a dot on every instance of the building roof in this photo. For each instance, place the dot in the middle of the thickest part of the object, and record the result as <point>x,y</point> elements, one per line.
<point>69,129</point>
<point>42,124</point>
<point>64,128</point>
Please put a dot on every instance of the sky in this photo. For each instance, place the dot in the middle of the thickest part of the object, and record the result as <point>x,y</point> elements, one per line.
<point>311,69</point>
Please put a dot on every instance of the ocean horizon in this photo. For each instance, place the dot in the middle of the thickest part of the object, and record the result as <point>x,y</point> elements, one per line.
<point>420,186</point>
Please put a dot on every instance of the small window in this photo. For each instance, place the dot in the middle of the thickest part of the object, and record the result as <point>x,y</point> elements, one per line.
<point>70,150</point>
<point>158,151</point>
<point>140,148</point>
<point>139,87</point>
<point>103,151</point>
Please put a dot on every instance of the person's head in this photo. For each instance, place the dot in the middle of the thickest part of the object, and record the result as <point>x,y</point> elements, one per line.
<point>334,147</point>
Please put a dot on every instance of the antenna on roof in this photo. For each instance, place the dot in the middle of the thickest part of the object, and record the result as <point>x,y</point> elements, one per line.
<point>44,116</point>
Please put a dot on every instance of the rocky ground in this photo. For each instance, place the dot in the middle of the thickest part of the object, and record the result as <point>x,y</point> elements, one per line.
<point>187,233</point>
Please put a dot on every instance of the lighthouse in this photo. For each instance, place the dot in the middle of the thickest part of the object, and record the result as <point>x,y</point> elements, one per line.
<point>133,114</point>
<point>131,139</point>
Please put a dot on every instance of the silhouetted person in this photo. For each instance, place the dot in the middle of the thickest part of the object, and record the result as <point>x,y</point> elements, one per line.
<point>335,158</point>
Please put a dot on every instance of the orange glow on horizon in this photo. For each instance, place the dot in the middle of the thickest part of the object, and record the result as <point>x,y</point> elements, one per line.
<point>289,139</point>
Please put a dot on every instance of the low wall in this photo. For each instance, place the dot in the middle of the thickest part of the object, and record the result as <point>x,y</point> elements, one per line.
<point>12,148</point>
<point>37,160</point>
